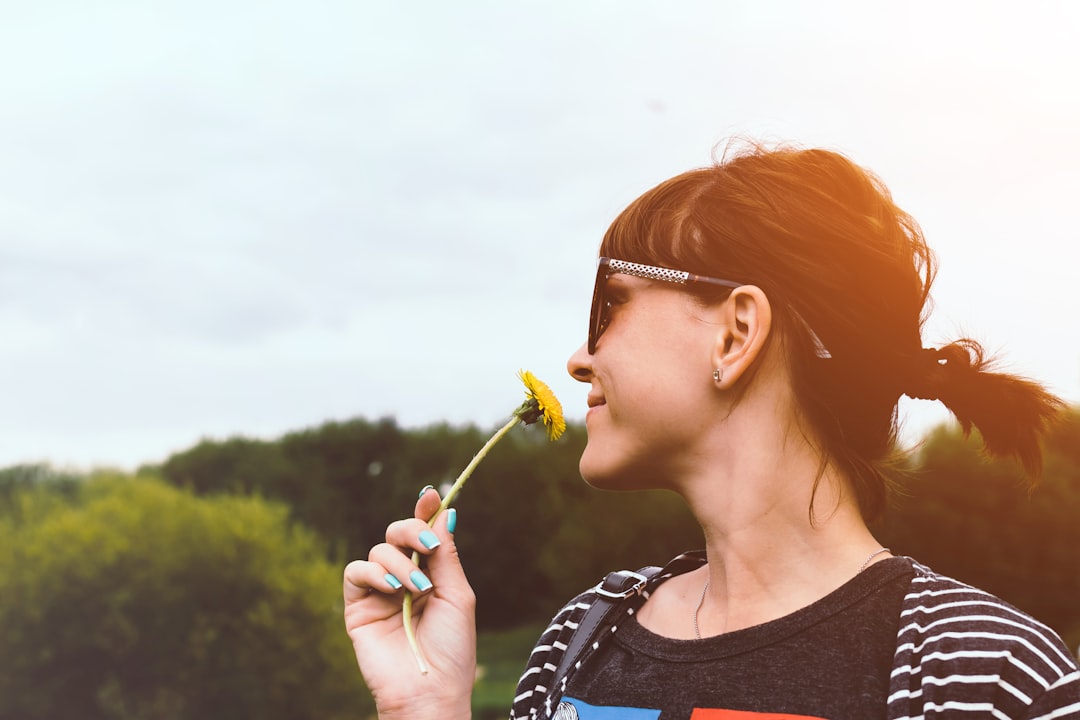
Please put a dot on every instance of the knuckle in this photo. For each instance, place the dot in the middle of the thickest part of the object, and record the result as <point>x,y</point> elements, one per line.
<point>402,528</point>
<point>381,550</point>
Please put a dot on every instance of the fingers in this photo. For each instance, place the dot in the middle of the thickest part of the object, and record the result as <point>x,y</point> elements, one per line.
<point>394,567</point>
<point>444,567</point>
<point>444,564</point>
<point>390,567</point>
<point>362,577</point>
<point>400,566</point>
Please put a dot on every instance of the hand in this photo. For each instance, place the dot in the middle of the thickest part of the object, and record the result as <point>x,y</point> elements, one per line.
<point>443,613</point>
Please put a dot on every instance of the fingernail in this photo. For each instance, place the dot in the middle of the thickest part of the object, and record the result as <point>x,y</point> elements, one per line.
<point>420,580</point>
<point>394,582</point>
<point>428,540</point>
<point>424,490</point>
<point>451,520</point>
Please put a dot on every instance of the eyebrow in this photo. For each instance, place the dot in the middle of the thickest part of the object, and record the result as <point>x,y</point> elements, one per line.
<point>623,279</point>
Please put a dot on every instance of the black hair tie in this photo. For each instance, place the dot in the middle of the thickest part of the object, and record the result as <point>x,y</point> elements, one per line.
<point>925,376</point>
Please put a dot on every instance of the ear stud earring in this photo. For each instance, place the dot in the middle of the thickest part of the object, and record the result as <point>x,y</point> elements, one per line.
<point>718,374</point>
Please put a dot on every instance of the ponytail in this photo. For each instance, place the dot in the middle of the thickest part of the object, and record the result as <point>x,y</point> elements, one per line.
<point>1010,412</point>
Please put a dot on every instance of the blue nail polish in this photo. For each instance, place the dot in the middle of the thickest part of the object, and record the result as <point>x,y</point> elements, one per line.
<point>428,540</point>
<point>420,580</point>
<point>451,520</point>
<point>424,490</point>
<point>394,582</point>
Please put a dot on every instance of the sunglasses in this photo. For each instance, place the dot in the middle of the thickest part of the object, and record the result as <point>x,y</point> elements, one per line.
<point>600,315</point>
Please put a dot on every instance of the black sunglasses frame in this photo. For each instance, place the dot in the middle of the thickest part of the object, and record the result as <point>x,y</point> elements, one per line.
<point>606,267</point>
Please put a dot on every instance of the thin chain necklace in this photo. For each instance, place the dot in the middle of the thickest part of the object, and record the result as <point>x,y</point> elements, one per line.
<point>701,600</point>
<point>873,555</point>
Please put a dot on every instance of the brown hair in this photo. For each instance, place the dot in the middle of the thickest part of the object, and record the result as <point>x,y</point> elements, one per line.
<point>838,259</point>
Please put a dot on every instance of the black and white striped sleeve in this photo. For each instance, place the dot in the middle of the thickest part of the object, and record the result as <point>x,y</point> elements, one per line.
<point>532,688</point>
<point>962,652</point>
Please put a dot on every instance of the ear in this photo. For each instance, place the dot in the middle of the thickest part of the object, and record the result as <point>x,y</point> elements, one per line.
<point>747,322</point>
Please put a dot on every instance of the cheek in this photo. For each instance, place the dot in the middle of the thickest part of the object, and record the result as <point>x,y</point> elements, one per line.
<point>681,378</point>
<point>636,442</point>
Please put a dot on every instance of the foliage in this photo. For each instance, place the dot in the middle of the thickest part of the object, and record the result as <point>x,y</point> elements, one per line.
<point>18,478</point>
<point>523,535</point>
<point>500,656</point>
<point>973,518</point>
<point>133,599</point>
<point>345,479</point>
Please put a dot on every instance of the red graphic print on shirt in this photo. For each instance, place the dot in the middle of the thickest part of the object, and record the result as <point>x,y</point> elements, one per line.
<point>700,714</point>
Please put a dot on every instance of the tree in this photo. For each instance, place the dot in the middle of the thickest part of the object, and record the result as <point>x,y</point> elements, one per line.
<point>140,601</point>
<point>971,517</point>
<point>18,478</point>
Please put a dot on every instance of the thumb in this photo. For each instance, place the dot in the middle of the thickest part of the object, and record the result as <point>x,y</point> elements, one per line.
<point>427,504</point>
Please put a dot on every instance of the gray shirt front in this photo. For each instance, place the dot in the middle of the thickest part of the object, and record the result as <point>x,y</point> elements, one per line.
<point>831,659</point>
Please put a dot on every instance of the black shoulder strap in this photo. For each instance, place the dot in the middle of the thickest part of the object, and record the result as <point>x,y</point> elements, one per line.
<point>614,593</point>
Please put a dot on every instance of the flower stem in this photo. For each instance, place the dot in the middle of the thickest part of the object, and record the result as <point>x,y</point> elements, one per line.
<point>406,604</point>
<point>452,493</point>
<point>406,612</point>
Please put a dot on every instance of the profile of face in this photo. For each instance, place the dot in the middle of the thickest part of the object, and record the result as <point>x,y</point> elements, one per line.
<point>650,377</point>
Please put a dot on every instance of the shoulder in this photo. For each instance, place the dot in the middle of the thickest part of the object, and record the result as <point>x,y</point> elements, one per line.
<point>534,687</point>
<point>961,647</point>
<point>940,610</point>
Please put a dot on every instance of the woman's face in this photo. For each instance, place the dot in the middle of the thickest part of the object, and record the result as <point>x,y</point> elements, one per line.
<point>651,386</point>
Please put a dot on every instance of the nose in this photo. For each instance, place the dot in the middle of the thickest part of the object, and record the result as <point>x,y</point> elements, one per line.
<point>580,365</point>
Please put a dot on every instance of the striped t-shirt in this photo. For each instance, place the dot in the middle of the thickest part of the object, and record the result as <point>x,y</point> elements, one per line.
<point>959,652</point>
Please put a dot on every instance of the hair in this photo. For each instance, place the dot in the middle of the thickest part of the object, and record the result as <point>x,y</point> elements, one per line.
<point>840,263</point>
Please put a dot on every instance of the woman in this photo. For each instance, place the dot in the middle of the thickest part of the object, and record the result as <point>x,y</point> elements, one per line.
<point>753,326</point>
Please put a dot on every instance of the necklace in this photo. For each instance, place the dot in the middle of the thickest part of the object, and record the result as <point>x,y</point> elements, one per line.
<point>701,600</point>
<point>873,555</point>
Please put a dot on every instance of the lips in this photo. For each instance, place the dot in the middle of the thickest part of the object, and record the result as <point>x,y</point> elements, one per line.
<point>595,401</point>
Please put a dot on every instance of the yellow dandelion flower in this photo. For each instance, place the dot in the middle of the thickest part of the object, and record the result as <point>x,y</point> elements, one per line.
<point>541,403</point>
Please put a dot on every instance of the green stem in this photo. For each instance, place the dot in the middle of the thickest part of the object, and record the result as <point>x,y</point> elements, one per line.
<point>406,612</point>
<point>452,493</point>
<point>406,604</point>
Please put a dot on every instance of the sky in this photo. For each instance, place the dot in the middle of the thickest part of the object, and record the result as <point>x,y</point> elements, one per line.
<point>249,217</point>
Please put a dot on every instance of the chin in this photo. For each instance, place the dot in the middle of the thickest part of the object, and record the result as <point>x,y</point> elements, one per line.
<point>602,474</point>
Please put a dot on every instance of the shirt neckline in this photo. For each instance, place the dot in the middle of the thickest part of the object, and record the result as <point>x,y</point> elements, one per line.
<point>633,635</point>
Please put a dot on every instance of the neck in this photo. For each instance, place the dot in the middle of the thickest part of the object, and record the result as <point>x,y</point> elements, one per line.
<point>776,540</point>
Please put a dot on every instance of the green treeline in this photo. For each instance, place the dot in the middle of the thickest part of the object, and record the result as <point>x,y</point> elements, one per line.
<point>531,533</point>
<point>209,586</point>
<point>127,599</point>
<point>974,519</point>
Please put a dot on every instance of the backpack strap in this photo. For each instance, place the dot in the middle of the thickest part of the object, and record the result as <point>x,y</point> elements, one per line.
<point>618,591</point>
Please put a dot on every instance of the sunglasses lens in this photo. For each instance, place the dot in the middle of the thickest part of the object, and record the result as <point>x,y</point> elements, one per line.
<point>598,313</point>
